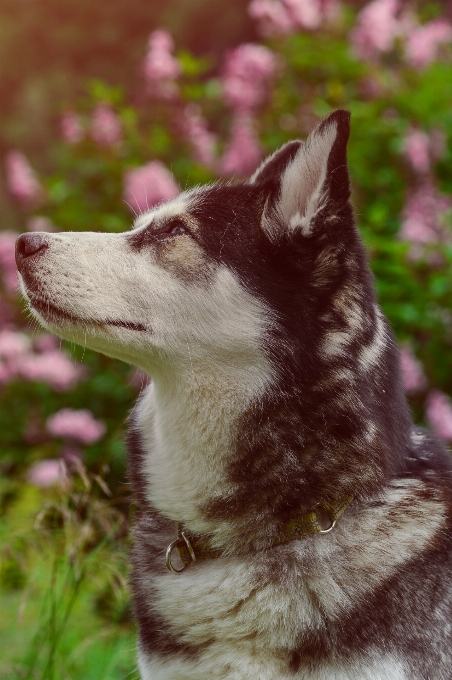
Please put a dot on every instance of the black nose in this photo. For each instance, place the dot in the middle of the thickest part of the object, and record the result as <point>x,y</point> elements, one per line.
<point>28,245</point>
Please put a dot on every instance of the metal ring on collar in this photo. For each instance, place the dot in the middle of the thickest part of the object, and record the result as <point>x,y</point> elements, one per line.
<point>170,549</point>
<point>330,528</point>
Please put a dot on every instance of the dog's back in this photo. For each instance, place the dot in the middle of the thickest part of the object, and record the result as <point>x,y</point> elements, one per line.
<point>314,519</point>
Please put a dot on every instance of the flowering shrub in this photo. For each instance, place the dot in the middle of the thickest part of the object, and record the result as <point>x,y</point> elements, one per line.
<point>194,121</point>
<point>22,180</point>
<point>78,425</point>
<point>148,185</point>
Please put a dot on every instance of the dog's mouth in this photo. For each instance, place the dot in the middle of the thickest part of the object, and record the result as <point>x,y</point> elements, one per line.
<point>53,313</point>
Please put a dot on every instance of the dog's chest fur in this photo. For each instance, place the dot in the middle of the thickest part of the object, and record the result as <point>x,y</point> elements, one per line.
<point>276,389</point>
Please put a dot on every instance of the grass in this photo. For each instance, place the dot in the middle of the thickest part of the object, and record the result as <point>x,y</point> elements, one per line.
<point>65,605</point>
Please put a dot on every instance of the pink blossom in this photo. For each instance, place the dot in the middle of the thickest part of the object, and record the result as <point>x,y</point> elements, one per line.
<point>146,186</point>
<point>306,13</point>
<point>243,153</point>
<point>78,425</point>
<point>22,180</point>
<point>439,413</point>
<point>8,261</point>
<point>273,18</point>
<point>46,343</point>
<point>39,223</point>
<point>160,67</point>
<point>14,344</point>
<point>412,372</point>
<point>280,17</point>
<point>247,72</point>
<point>423,43</point>
<point>14,347</point>
<point>47,472</point>
<point>417,150</point>
<point>422,217</point>
<point>376,28</point>
<point>71,127</point>
<point>202,141</point>
<point>53,368</point>
<point>105,127</point>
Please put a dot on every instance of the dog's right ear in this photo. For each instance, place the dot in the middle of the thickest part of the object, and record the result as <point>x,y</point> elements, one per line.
<point>306,184</point>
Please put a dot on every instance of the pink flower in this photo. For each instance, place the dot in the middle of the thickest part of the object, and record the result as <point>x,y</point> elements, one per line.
<point>105,127</point>
<point>53,368</point>
<point>417,150</point>
<point>39,223</point>
<point>8,261</point>
<point>22,180</point>
<point>46,343</point>
<point>306,13</point>
<point>242,154</point>
<point>47,472</point>
<point>71,127</point>
<point>422,217</point>
<point>78,425</point>
<point>423,43</point>
<point>376,28</point>
<point>412,371</point>
<point>280,17</point>
<point>439,413</point>
<point>202,141</point>
<point>14,344</point>
<point>146,186</point>
<point>160,67</point>
<point>247,72</point>
<point>273,18</point>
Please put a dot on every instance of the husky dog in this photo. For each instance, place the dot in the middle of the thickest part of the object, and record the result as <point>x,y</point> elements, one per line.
<point>306,521</point>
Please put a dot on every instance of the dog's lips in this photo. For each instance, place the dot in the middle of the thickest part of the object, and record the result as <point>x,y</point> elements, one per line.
<point>51,312</point>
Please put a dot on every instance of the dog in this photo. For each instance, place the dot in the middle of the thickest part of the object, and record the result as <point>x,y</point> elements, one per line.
<point>292,522</point>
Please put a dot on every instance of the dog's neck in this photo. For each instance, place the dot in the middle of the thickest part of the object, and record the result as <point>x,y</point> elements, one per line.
<point>189,424</point>
<point>226,452</point>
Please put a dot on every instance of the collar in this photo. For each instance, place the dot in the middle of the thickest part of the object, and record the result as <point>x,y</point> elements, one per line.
<point>193,547</point>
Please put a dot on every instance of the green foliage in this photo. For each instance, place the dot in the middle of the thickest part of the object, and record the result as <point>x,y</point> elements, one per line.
<point>62,552</point>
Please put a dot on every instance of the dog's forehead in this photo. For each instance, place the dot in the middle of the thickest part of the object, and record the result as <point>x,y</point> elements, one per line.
<point>180,206</point>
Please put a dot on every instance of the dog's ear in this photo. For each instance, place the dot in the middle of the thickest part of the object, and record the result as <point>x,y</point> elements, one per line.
<point>305,181</point>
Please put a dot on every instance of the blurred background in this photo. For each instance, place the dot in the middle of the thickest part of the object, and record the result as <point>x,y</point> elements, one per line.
<point>107,107</point>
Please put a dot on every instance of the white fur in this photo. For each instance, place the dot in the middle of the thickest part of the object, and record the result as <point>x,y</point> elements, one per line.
<point>243,664</point>
<point>240,612</point>
<point>189,418</point>
<point>371,353</point>
<point>347,303</point>
<point>302,182</point>
<point>178,206</point>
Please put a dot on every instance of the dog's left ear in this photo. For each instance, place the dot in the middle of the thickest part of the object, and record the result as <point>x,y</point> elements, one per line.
<point>305,181</point>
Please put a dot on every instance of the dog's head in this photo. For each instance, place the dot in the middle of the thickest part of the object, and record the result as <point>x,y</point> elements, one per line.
<point>221,270</point>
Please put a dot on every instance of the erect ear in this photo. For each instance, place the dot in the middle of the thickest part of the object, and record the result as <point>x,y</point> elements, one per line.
<point>306,182</point>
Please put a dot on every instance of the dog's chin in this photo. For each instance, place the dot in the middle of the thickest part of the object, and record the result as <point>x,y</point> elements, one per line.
<point>60,321</point>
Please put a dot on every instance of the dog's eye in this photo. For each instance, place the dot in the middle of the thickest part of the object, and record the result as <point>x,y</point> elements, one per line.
<point>176,228</point>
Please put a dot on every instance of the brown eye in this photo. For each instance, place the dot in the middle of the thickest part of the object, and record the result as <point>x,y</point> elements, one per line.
<point>177,228</point>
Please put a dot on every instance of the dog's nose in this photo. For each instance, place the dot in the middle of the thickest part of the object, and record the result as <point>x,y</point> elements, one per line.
<point>28,245</point>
